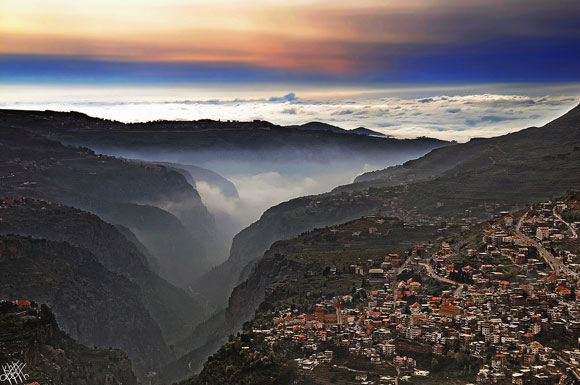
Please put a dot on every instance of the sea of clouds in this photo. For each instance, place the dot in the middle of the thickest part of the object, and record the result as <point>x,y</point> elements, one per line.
<point>444,116</point>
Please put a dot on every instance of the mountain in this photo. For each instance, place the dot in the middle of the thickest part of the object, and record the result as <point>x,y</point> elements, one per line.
<point>173,309</point>
<point>92,304</point>
<point>529,165</point>
<point>212,178</point>
<point>29,334</point>
<point>295,273</point>
<point>366,131</point>
<point>157,205</point>
<point>320,126</point>
<point>536,149</point>
<point>206,142</point>
<point>483,176</point>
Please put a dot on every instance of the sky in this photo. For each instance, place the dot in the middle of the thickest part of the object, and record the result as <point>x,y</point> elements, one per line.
<point>351,63</point>
<point>300,40</point>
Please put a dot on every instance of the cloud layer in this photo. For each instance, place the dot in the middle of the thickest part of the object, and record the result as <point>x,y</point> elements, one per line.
<point>446,114</point>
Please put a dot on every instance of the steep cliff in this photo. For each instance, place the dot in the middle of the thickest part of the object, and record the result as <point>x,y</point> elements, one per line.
<point>295,272</point>
<point>283,221</point>
<point>175,312</point>
<point>157,205</point>
<point>30,335</point>
<point>93,305</point>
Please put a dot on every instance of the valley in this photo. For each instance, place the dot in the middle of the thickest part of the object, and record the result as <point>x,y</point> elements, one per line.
<point>477,304</point>
<point>350,285</point>
<point>267,192</point>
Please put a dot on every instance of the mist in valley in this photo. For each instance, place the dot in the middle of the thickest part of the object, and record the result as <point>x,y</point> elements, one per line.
<point>260,181</point>
<point>260,190</point>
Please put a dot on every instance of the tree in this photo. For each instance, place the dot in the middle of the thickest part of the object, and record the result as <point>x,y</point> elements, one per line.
<point>435,365</point>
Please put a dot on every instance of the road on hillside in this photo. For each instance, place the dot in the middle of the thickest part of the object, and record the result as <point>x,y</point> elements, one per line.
<point>432,274</point>
<point>556,266</point>
<point>399,271</point>
<point>572,229</point>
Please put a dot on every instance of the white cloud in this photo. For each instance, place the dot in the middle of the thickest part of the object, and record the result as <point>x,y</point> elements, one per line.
<point>260,191</point>
<point>452,114</point>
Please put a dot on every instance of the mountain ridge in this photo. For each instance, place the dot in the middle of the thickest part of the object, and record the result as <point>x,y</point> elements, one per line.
<point>473,193</point>
<point>231,140</point>
<point>321,126</point>
<point>30,334</point>
<point>441,160</point>
<point>119,191</point>
<point>95,306</point>
<point>172,308</point>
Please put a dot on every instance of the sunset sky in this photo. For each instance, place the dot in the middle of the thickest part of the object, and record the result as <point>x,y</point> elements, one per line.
<point>352,63</point>
<point>306,40</point>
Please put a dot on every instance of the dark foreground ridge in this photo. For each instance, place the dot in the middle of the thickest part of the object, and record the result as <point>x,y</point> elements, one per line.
<point>29,335</point>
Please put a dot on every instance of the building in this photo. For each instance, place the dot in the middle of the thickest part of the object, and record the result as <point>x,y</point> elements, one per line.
<point>542,233</point>
<point>448,310</point>
<point>377,274</point>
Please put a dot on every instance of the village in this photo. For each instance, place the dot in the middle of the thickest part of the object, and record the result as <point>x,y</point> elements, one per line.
<point>507,299</point>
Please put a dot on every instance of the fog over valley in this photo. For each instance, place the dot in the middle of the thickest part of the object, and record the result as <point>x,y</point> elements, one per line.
<point>260,184</point>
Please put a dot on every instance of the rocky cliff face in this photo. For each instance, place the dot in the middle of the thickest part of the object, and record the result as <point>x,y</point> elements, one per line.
<point>174,311</point>
<point>247,296</point>
<point>283,221</point>
<point>30,335</point>
<point>243,303</point>
<point>156,204</point>
<point>93,305</point>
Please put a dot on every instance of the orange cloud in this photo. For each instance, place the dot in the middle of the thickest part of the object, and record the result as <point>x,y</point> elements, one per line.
<point>319,35</point>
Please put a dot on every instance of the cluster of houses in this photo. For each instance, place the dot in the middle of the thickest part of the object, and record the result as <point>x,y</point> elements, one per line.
<point>553,234</point>
<point>501,311</point>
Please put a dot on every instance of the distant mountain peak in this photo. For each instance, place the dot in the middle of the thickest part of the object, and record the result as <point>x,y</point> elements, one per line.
<point>321,126</point>
<point>366,131</point>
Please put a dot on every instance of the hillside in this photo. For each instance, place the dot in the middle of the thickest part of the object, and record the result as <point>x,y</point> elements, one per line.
<point>357,302</point>
<point>29,334</point>
<point>296,272</point>
<point>473,182</point>
<point>93,305</point>
<point>526,166</point>
<point>157,205</point>
<point>172,309</point>
<point>198,142</point>
<point>540,148</point>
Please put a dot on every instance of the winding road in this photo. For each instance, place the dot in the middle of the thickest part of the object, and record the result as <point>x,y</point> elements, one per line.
<point>556,266</point>
<point>433,275</point>
<point>570,227</point>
